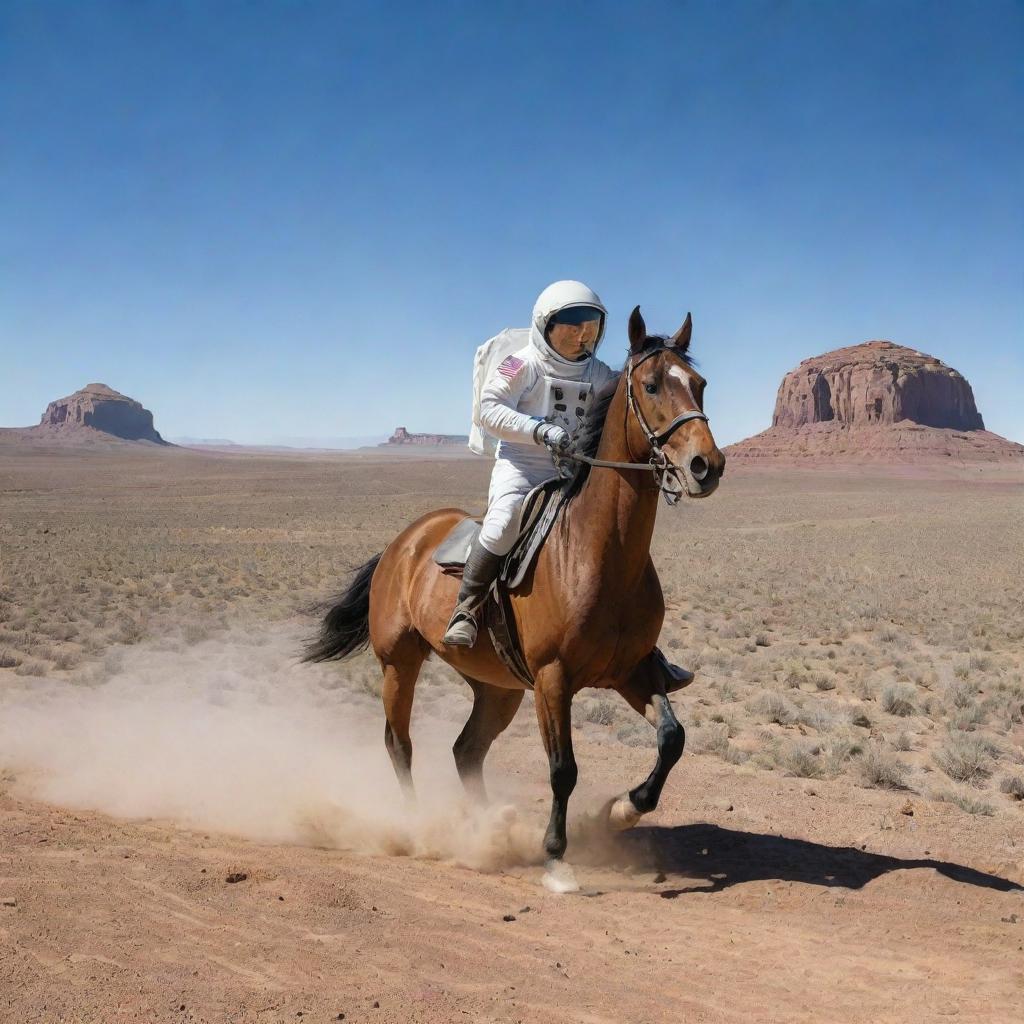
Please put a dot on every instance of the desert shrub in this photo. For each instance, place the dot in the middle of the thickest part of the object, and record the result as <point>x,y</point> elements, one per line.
<point>771,754</point>
<point>1012,785</point>
<point>726,691</point>
<point>903,742</point>
<point>864,689</point>
<point>859,719</point>
<point>967,719</point>
<point>961,671</point>
<point>1007,709</point>
<point>775,708</point>
<point>597,712</point>
<point>802,761</point>
<point>714,739</point>
<point>636,734</point>
<point>128,631</point>
<point>981,662</point>
<point>8,660</point>
<point>961,695</point>
<point>794,677</point>
<point>837,752</point>
<point>823,681</point>
<point>761,640</point>
<point>965,800</point>
<point>65,660</point>
<point>898,700</point>
<point>30,668</point>
<point>965,758</point>
<point>735,755</point>
<point>879,768</point>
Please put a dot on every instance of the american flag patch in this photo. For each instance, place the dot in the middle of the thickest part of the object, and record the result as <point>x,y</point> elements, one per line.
<point>510,367</point>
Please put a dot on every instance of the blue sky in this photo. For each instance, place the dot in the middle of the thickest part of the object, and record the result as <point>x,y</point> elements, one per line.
<point>269,220</point>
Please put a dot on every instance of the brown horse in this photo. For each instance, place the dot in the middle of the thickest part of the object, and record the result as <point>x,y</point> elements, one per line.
<point>588,613</point>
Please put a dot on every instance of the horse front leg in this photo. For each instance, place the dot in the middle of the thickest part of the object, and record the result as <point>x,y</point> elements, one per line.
<point>553,700</point>
<point>645,693</point>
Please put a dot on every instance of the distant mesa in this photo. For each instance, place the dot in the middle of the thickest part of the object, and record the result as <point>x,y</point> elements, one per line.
<point>877,402</point>
<point>93,415</point>
<point>401,436</point>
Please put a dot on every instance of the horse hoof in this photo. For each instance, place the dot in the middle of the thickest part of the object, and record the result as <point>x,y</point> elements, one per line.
<point>559,877</point>
<point>622,814</point>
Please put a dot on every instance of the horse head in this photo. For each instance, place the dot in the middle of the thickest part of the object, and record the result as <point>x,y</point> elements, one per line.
<point>666,396</point>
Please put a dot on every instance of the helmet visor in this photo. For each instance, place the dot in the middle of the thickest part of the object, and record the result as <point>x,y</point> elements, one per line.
<point>575,316</point>
<point>585,322</point>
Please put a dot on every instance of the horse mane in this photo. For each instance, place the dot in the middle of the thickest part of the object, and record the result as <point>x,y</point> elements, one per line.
<point>589,438</point>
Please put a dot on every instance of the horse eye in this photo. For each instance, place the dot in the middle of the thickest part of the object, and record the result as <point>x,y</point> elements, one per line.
<point>651,389</point>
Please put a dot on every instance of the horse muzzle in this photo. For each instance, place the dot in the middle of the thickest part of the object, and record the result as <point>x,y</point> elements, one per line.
<point>701,472</point>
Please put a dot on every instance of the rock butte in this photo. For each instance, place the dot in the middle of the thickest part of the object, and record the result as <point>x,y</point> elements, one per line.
<point>402,436</point>
<point>878,402</point>
<point>94,414</point>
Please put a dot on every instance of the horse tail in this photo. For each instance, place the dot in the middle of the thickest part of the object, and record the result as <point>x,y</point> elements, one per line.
<point>345,629</point>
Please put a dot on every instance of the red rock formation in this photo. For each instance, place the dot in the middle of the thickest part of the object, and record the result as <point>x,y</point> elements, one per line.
<point>876,402</point>
<point>876,383</point>
<point>97,407</point>
<point>402,436</point>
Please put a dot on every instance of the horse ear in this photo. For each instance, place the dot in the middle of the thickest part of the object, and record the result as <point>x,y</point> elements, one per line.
<point>681,339</point>
<point>637,331</point>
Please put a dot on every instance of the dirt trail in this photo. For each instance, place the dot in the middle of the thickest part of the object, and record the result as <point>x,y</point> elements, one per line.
<point>803,902</point>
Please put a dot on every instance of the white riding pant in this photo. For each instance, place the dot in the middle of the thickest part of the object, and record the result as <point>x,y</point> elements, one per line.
<point>510,483</point>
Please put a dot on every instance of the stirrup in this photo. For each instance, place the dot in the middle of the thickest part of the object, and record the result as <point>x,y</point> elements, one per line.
<point>462,630</point>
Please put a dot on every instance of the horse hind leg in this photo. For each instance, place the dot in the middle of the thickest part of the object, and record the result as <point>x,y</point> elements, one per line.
<point>493,710</point>
<point>401,670</point>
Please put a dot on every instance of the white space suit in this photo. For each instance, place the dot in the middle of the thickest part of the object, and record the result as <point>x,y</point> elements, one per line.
<point>534,385</point>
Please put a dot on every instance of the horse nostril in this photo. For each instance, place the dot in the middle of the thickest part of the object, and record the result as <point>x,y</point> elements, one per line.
<point>698,467</point>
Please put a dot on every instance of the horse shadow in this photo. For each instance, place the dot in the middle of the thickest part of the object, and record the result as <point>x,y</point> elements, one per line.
<point>720,858</point>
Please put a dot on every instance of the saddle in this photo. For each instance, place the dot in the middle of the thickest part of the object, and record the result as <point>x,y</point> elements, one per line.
<point>540,510</point>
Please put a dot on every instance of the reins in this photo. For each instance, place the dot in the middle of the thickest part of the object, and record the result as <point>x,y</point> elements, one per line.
<point>666,472</point>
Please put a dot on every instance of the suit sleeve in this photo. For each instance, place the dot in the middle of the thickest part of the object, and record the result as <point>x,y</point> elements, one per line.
<point>501,394</point>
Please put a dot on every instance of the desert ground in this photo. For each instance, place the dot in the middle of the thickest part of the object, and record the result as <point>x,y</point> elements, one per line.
<point>196,827</point>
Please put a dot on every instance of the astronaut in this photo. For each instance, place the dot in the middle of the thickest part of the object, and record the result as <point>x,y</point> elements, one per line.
<point>534,402</point>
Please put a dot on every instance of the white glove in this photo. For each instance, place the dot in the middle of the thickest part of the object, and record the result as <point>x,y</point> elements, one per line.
<point>552,436</point>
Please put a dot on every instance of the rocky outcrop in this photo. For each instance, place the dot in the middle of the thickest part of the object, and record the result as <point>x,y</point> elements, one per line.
<point>99,408</point>
<point>876,402</point>
<point>877,383</point>
<point>403,437</point>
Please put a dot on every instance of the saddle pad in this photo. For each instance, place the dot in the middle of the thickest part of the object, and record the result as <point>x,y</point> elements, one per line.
<point>453,551</point>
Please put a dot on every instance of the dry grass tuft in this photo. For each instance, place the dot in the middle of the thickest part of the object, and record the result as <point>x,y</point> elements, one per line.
<point>965,758</point>
<point>773,707</point>
<point>899,700</point>
<point>965,800</point>
<point>877,767</point>
<point>1012,785</point>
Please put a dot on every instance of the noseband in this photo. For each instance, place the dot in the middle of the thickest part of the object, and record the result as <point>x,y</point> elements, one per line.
<point>666,472</point>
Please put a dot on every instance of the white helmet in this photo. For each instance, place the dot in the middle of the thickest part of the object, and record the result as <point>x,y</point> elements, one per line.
<point>559,296</point>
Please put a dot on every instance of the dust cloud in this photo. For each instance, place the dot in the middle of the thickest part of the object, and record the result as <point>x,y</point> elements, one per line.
<point>232,734</point>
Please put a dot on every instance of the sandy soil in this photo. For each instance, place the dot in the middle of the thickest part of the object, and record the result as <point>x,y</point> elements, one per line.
<point>802,903</point>
<point>157,739</point>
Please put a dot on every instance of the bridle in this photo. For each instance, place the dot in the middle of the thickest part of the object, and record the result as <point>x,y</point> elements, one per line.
<point>666,472</point>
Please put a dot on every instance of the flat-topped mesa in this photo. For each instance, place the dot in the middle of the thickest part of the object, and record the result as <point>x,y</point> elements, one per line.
<point>879,403</point>
<point>101,408</point>
<point>401,436</point>
<point>876,383</point>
